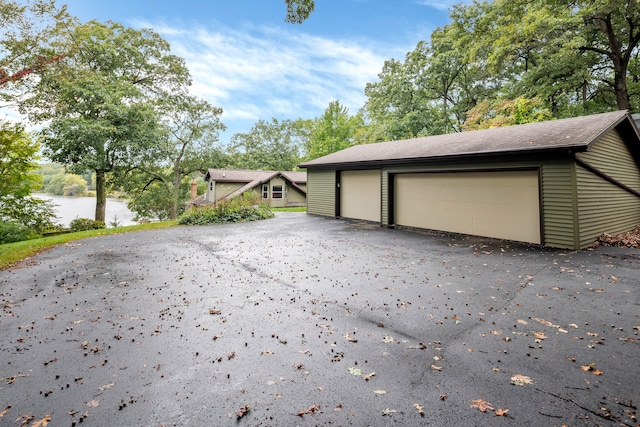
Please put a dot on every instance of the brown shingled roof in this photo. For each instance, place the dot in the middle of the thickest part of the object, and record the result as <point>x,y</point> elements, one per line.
<point>577,132</point>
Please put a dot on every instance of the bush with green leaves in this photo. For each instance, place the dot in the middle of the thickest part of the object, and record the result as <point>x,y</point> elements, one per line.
<point>82,224</point>
<point>12,232</point>
<point>239,209</point>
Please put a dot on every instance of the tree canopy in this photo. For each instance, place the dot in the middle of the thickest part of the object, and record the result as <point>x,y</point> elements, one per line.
<point>98,100</point>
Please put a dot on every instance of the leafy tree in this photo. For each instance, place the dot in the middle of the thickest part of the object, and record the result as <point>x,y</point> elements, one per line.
<point>17,179</point>
<point>28,30</point>
<point>334,131</point>
<point>275,145</point>
<point>570,54</point>
<point>298,10</point>
<point>492,114</point>
<point>97,100</point>
<point>187,145</point>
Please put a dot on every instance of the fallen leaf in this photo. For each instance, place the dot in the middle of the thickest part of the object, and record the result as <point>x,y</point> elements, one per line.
<point>501,412</point>
<point>43,422</point>
<point>310,410</point>
<point>266,352</point>
<point>355,371</point>
<point>369,376</point>
<point>523,322</point>
<point>379,391</point>
<point>4,411</point>
<point>482,405</point>
<point>24,419</point>
<point>350,338</point>
<point>521,380</point>
<point>214,311</point>
<point>420,409</point>
<point>539,335</point>
<point>388,412</point>
<point>443,397</point>
<point>242,412</point>
<point>93,403</point>
<point>436,368</point>
<point>106,386</point>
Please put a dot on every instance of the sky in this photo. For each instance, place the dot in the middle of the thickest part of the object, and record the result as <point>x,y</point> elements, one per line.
<point>245,59</point>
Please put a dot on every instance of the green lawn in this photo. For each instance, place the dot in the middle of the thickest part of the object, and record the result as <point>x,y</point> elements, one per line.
<point>11,253</point>
<point>291,209</point>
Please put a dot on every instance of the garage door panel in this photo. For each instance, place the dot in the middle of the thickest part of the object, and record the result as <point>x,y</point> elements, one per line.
<point>360,195</point>
<point>493,204</point>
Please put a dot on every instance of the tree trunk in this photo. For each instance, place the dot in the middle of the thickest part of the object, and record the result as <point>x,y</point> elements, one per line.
<point>101,196</point>
<point>177,178</point>
<point>620,62</point>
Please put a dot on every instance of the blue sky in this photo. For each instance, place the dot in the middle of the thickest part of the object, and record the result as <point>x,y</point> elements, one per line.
<point>245,59</point>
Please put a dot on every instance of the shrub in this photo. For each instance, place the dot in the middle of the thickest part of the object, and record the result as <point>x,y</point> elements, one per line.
<point>82,224</point>
<point>12,232</point>
<point>238,209</point>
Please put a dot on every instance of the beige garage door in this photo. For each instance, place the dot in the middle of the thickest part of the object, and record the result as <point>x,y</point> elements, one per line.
<point>503,205</point>
<point>360,195</point>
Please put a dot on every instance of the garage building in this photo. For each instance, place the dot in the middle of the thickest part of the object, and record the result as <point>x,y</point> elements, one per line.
<point>559,183</point>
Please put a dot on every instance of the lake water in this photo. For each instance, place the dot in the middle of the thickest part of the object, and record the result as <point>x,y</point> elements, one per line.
<point>70,208</point>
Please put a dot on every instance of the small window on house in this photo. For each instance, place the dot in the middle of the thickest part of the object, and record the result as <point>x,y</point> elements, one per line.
<point>276,192</point>
<point>265,191</point>
<point>210,185</point>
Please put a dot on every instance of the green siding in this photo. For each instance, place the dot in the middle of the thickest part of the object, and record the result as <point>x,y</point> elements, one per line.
<point>321,192</point>
<point>558,216</point>
<point>602,206</point>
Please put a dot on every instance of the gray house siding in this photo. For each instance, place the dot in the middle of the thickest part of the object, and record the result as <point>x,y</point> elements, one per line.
<point>321,192</point>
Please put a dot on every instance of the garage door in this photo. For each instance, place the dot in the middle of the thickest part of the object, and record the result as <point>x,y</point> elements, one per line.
<point>360,195</point>
<point>503,205</point>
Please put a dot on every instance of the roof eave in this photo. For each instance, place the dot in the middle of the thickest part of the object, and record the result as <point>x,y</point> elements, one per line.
<point>566,149</point>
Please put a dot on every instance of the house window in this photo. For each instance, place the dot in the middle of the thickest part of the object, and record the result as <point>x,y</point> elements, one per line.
<point>276,192</point>
<point>210,185</point>
<point>265,191</point>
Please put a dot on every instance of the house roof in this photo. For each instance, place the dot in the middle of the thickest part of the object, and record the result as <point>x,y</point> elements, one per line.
<point>252,178</point>
<point>233,175</point>
<point>566,134</point>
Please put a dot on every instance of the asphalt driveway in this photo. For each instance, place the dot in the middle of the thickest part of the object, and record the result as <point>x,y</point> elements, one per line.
<point>302,320</point>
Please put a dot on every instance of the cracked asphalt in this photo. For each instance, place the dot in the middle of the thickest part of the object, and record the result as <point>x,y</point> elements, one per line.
<point>314,321</point>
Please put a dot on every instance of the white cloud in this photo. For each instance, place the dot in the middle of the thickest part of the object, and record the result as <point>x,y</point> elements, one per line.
<point>442,4</point>
<point>262,72</point>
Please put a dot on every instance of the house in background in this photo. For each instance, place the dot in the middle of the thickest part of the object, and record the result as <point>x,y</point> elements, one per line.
<point>278,188</point>
<point>560,183</point>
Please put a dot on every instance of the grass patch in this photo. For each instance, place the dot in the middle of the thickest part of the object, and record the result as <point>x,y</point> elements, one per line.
<point>290,209</point>
<point>11,253</point>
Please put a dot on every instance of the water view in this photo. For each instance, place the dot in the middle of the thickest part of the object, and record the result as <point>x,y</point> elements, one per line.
<point>70,208</point>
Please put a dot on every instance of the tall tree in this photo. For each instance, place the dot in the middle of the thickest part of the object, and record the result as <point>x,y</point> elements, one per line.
<point>28,31</point>
<point>275,145</point>
<point>334,131</point>
<point>188,145</point>
<point>18,163</point>
<point>98,99</point>
<point>572,53</point>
